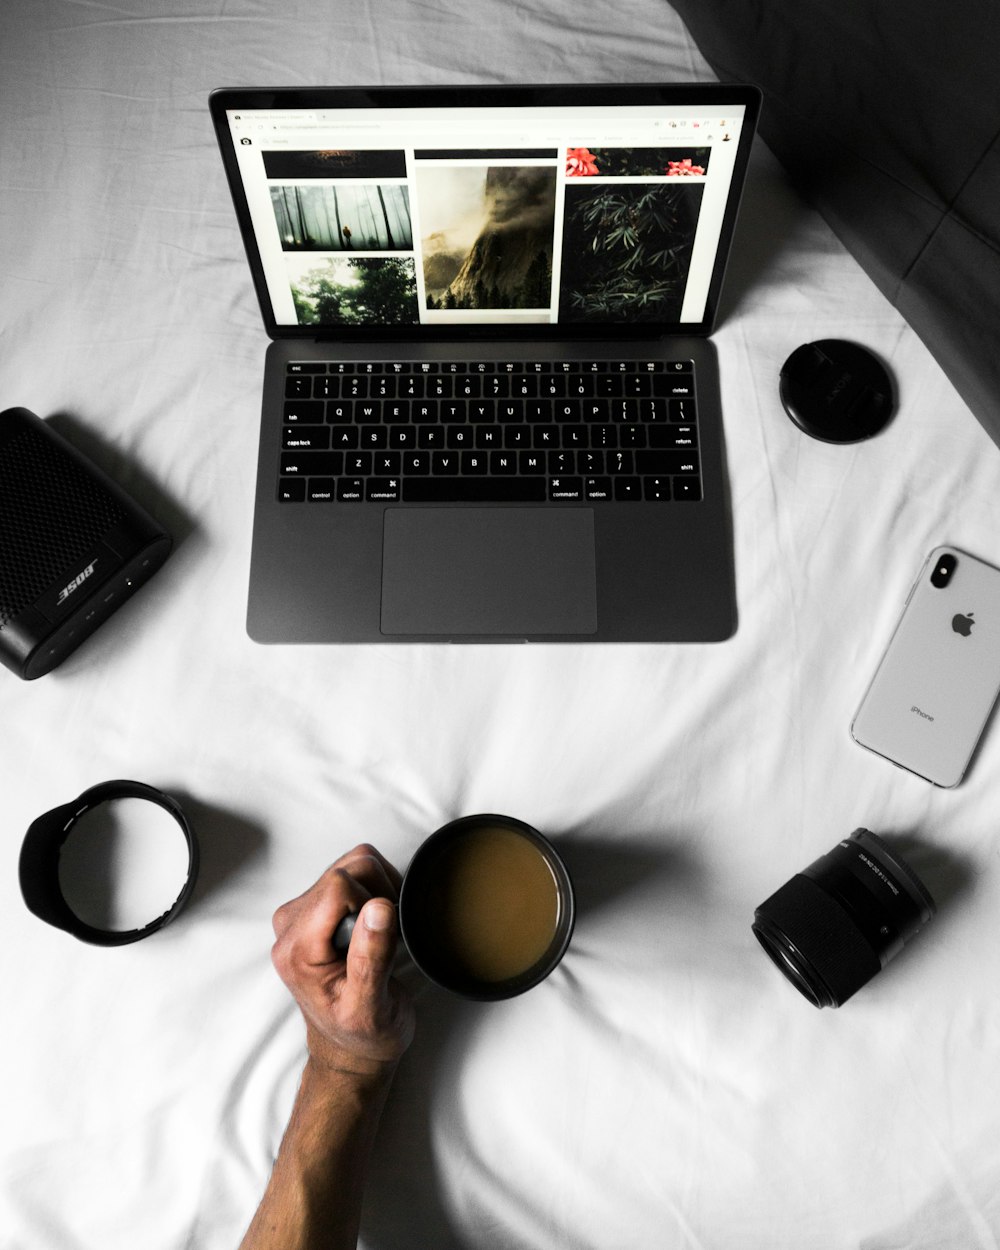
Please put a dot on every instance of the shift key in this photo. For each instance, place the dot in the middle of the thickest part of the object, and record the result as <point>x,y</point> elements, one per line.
<point>657,463</point>
<point>309,463</point>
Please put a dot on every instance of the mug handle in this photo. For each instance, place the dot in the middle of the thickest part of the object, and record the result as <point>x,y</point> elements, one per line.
<point>342,940</point>
<point>342,934</point>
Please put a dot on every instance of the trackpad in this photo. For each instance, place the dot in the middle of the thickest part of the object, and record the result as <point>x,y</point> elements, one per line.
<point>489,571</point>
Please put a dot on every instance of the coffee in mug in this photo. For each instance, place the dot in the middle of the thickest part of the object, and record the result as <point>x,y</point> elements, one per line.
<point>486,908</point>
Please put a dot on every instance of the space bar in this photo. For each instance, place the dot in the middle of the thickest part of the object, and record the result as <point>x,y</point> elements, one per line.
<point>474,490</point>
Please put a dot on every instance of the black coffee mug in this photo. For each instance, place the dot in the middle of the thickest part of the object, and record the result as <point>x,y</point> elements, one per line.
<point>486,908</point>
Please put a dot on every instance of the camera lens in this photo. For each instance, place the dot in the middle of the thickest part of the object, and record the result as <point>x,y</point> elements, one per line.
<point>943,570</point>
<point>834,925</point>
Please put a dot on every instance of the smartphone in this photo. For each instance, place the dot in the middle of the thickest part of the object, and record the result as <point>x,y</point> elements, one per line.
<point>936,684</point>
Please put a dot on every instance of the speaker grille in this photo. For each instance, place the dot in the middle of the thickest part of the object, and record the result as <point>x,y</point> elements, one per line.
<point>51,514</point>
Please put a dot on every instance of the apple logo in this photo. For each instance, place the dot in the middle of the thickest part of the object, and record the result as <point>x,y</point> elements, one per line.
<point>962,624</point>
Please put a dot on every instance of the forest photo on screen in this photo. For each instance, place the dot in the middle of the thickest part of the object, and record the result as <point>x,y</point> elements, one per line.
<point>347,217</point>
<point>356,291</point>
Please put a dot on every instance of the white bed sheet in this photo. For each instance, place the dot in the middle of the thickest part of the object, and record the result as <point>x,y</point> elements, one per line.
<point>665,1088</point>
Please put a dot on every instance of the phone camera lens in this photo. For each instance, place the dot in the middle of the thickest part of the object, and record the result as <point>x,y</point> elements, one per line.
<point>832,927</point>
<point>943,571</point>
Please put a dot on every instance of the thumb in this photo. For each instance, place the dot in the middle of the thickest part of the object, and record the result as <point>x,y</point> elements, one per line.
<point>373,943</point>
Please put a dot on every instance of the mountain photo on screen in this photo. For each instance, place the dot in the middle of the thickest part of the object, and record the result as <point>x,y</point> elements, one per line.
<point>487,236</point>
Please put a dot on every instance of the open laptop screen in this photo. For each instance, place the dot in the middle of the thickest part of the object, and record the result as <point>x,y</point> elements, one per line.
<point>400,210</point>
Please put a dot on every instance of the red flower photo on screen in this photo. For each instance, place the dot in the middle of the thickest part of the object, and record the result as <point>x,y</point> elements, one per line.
<point>580,162</point>
<point>684,169</point>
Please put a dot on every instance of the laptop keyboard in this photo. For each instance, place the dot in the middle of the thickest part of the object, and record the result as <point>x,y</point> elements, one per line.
<point>509,431</point>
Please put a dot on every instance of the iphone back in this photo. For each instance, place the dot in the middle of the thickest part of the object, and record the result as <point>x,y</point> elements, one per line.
<point>935,687</point>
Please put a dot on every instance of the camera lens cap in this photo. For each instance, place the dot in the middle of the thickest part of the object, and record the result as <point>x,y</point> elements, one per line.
<point>836,391</point>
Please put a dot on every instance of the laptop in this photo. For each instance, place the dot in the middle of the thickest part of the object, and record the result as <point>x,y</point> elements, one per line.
<point>491,406</point>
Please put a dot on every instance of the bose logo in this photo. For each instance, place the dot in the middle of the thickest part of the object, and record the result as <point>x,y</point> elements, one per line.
<point>77,581</point>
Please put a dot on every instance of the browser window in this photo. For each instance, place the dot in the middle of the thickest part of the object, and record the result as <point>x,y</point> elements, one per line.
<point>499,216</point>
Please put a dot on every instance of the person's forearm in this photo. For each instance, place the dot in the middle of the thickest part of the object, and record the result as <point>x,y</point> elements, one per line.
<point>313,1199</point>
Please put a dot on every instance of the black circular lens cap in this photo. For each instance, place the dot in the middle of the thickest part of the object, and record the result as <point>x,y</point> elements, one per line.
<point>836,391</point>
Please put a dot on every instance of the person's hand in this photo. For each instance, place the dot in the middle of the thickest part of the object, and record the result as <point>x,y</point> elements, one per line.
<point>359,1019</point>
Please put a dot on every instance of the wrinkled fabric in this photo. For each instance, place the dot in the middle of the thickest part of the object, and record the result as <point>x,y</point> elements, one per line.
<point>665,1088</point>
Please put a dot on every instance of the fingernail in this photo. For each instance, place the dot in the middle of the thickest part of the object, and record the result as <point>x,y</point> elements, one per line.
<point>378,916</point>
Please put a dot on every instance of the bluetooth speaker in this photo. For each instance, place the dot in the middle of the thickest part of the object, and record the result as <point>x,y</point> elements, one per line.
<point>73,545</point>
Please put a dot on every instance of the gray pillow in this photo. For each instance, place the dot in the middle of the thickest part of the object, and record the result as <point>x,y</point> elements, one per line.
<point>887,118</point>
